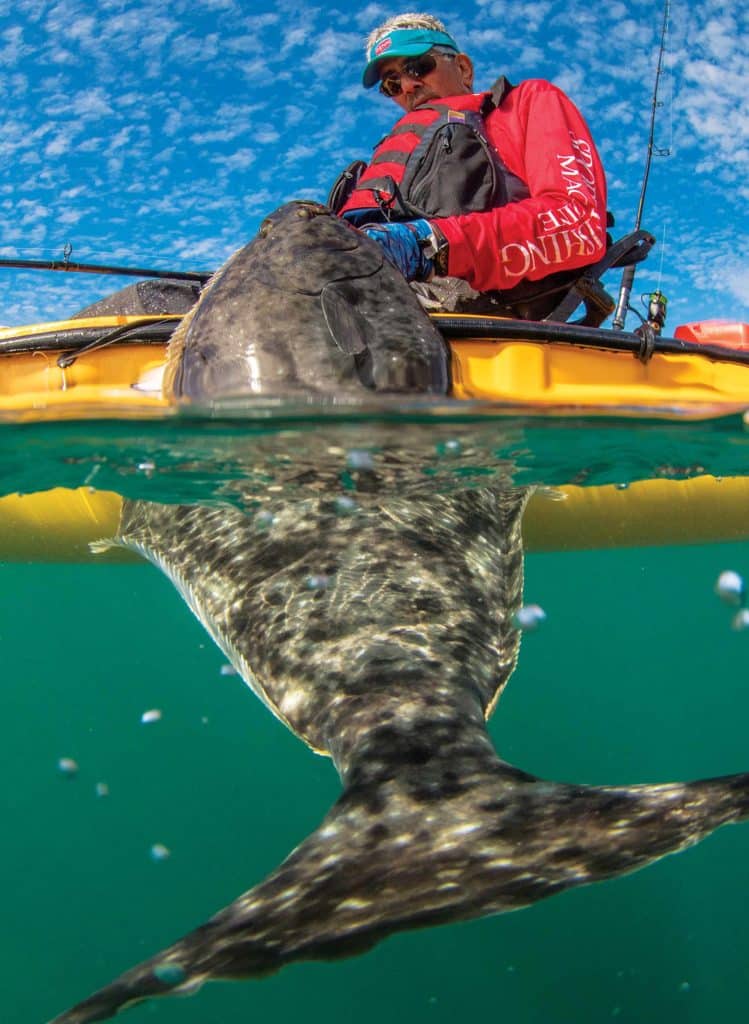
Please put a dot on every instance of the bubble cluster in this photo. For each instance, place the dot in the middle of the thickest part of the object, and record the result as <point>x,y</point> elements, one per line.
<point>731,589</point>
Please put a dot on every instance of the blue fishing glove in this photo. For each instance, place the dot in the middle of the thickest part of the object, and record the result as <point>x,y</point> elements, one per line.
<point>403,243</point>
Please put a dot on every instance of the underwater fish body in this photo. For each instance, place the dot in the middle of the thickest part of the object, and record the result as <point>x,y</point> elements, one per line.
<point>391,667</point>
<point>309,307</point>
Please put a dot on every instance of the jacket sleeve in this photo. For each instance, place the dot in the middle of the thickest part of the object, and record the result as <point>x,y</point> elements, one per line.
<point>543,139</point>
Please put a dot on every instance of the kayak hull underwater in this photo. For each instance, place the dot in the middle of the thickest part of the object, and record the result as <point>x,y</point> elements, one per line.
<point>112,367</point>
<point>64,524</point>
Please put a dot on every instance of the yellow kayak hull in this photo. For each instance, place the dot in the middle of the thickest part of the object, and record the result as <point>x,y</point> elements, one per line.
<point>60,524</point>
<point>121,380</point>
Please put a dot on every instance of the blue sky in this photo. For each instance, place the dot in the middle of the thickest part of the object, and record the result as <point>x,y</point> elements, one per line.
<point>159,134</point>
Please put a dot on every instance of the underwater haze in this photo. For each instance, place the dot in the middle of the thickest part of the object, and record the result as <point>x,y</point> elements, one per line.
<point>637,674</point>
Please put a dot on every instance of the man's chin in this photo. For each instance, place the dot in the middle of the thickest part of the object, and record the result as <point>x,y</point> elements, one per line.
<point>419,101</point>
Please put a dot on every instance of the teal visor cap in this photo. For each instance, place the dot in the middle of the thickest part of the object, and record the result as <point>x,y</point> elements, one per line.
<point>402,42</point>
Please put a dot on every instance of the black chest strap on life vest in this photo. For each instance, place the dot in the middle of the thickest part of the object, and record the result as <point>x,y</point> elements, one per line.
<point>437,161</point>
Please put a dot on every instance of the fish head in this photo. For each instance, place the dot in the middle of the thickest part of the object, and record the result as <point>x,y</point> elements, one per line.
<point>321,247</point>
<point>310,306</point>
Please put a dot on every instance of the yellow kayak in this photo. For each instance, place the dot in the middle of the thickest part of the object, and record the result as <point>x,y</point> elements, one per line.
<point>60,524</point>
<point>111,366</point>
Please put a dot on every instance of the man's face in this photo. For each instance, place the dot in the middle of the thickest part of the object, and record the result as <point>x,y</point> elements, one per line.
<point>452,75</point>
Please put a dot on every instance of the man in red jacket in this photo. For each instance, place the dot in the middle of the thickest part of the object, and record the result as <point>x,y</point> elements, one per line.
<point>480,194</point>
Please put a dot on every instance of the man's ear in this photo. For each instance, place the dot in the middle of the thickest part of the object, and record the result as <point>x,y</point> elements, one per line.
<point>465,67</point>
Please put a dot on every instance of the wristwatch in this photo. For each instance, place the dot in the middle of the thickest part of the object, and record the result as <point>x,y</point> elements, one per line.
<point>436,248</point>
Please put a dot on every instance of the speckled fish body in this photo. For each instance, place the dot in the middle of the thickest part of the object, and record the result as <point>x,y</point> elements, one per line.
<point>310,307</point>
<point>391,667</point>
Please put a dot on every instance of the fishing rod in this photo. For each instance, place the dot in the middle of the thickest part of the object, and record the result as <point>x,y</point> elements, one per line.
<point>658,302</point>
<point>67,266</point>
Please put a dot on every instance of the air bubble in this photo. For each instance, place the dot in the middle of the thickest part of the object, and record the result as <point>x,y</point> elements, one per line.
<point>529,617</point>
<point>450,447</point>
<point>170,974</point>
<point>730,587</point>
<point>67,766</point>
<point>359,459</point>
<point>317,582</point>
<point>345,506</point>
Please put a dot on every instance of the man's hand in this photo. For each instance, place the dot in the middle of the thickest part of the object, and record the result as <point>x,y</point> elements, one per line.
<point>403,243</point>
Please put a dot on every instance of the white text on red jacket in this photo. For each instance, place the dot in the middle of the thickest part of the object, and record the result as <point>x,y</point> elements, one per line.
<point>573,228</point>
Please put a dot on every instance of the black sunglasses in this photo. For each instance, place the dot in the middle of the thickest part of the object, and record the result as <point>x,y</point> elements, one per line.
<point>415,67</point>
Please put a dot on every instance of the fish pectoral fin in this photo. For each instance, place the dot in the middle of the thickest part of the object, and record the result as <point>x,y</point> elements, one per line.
<point>348,328</point>
<point>100,547</point>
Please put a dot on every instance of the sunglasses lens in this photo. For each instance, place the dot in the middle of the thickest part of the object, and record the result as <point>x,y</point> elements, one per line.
<point>420,66</point>
<point>417,68</point>
<point>391,85</point>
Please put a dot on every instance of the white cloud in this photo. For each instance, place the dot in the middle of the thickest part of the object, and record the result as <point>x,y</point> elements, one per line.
<point>294,37</point>
<point>172,123</point>
<point>89,104</point>
<point>217,135</point>
<point>331,49</point>
<point>188,49</point>
<point>737,282</point>
<point>61,143</point>
<point>293,115</point>
<point>28,211</point>
<point>240,159</point>
<point>12,46</point>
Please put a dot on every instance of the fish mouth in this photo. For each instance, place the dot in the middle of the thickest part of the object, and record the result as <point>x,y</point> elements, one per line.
<point>322,241</point>
<point>303,208</point>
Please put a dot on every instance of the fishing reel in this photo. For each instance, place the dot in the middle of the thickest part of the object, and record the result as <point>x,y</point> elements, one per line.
<point>651,328</point>
<point>657,306</point>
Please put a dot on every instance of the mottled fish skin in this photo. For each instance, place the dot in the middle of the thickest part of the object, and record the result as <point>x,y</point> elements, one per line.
<point>392,669</point>
<point>309,307</point>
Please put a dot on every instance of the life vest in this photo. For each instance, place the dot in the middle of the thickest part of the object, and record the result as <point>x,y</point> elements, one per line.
<point>436,162</point>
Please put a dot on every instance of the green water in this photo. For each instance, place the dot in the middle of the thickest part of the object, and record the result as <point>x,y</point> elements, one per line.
<point>636,676</point>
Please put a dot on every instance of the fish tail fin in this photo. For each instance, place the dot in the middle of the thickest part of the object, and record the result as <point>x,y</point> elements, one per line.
<point>399,853</point>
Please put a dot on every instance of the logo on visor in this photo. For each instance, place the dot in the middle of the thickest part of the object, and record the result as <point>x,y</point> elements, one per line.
<point>382,46</point>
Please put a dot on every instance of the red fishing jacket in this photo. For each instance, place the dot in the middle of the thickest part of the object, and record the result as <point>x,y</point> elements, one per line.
<point>542,139</point>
